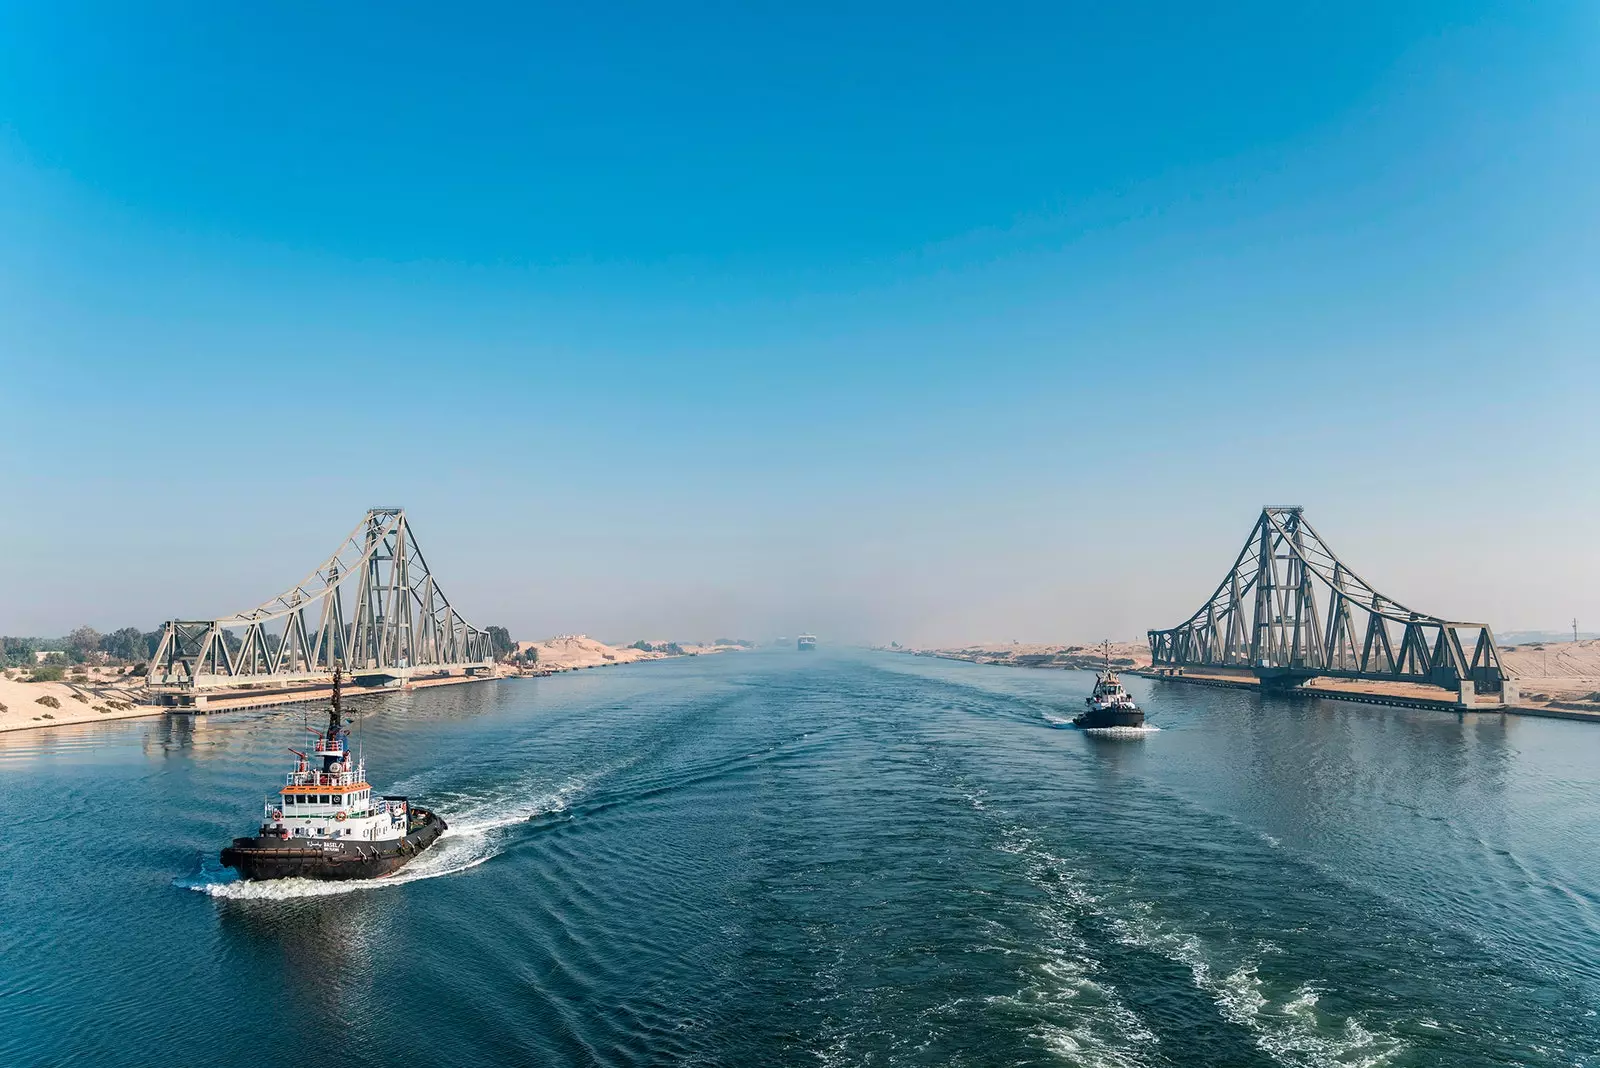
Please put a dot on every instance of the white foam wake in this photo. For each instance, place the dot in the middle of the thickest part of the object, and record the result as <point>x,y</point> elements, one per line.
<point>1290,1027</point>
<point>1066,722</point>
<point>1292,1031</point>
<point>474,835</point>
<point>1120,732</point>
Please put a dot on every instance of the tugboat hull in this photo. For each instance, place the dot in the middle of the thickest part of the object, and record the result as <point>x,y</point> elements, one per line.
<point>1099,718</point>
<point>317,858</point>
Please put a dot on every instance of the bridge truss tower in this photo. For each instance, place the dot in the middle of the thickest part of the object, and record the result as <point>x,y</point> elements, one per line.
<point>373,609</point>
<point>1290,610</point>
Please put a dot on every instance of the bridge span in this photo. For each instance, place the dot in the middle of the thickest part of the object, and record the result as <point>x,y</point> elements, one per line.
<point>1290,610</point>
<point>399,625</point>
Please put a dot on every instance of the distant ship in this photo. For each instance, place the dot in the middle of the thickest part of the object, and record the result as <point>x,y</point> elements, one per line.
<point>325,824</point>
<point>806,643</point>
<point>1110,706</point>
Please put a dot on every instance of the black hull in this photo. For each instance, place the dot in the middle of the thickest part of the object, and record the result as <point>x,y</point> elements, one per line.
<point>1109,717</point>
<point>316,858</point>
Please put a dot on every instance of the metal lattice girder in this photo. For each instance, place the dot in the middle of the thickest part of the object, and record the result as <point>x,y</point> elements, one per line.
<point>1290,605</point>
<point>400,621</point>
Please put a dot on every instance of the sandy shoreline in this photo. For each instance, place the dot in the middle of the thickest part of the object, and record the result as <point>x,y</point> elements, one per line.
<point>573,652</point>
<point>93,701</point>
<point>1125,656</point>
<point>105,695</point>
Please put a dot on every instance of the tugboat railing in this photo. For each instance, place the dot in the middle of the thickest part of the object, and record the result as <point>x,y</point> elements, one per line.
<point>324,778</point>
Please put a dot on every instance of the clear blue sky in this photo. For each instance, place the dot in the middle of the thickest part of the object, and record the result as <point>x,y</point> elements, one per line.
<point>930,324</point>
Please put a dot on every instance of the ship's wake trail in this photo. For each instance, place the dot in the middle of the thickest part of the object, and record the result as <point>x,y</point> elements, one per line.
<point>1066,723</point>
<point>479,829</point>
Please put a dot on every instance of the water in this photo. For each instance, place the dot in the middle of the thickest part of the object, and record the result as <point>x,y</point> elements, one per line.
<point>834,859</point>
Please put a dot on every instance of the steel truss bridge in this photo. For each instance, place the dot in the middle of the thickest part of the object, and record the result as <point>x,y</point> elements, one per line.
<point>400,623</point>
<point>1291,610</point>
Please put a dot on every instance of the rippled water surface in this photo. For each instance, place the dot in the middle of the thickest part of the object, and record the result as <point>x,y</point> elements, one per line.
<point>834,859</point>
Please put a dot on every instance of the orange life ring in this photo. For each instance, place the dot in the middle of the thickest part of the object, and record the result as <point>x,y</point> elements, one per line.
<point>339,816</point>
<point>277,813</point>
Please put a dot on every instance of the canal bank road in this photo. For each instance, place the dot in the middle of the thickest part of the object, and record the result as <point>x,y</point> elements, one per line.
<point>860,858</point>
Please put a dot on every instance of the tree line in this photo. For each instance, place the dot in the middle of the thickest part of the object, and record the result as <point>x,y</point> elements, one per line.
<point>83,645</point>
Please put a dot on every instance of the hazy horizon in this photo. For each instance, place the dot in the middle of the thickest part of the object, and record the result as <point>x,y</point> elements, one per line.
<point>905,325</point>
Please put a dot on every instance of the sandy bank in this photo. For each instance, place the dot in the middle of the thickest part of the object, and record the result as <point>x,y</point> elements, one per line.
<point>74,703</point>
<point>1556,674</point>
<point>1124,655</point>
<point>571,652</point>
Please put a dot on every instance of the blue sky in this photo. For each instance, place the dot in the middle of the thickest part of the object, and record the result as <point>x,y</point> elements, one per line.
<point>986,322</point>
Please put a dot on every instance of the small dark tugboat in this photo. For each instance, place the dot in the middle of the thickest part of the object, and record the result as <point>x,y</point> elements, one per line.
<point>325,824</point>
<point>1111,709</point>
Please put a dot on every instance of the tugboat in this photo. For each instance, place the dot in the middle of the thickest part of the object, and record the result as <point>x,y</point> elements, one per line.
<point>325,824</point>
<point>1110,706</point>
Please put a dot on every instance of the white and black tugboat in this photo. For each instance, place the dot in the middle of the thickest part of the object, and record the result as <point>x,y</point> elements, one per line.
<point>1111,708</point>
<point>325,824</point>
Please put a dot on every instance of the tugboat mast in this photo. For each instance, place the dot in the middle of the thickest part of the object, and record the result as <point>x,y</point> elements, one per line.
<point>335,716</point>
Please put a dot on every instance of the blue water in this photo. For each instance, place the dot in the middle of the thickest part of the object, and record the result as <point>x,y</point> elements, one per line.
<point>833,859</point>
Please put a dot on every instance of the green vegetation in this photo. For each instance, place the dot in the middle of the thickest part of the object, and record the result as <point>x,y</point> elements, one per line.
<point>130,643</point>
<point>47,673</point>
<point>82,644</point>
<point>86,645</point>
<point>17,652</point>
<point>500,642</point>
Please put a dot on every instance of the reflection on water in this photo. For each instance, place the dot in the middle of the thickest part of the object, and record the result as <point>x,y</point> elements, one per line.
<point>841,859</point>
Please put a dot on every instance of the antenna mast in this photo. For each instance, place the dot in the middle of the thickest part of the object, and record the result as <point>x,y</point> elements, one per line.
<point>335,713</point>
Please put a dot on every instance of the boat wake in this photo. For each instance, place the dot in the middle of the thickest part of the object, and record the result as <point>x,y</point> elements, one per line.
<point>1066,723</point>
<point>1284,1022</point>
<point>477,833</point>
<point>1120,732</point>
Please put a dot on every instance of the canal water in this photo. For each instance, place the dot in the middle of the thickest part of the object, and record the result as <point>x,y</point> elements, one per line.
<point>830,859</point>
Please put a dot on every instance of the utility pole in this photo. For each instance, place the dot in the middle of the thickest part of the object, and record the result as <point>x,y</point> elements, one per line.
<point>1574,630</point>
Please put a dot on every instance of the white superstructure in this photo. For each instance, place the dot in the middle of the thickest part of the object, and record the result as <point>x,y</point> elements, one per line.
<point>327,797</point>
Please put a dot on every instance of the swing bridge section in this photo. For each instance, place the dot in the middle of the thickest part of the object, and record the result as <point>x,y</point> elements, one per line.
<point>372,610</point>
<point>1290,610</point>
